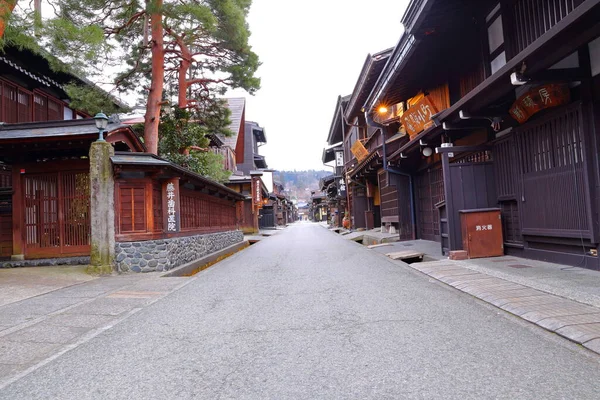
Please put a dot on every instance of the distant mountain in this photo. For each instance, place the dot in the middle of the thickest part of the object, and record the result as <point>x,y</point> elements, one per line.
<point>299,184</point>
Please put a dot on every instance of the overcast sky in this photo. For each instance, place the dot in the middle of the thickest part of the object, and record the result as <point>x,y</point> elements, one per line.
<point>311,52</point>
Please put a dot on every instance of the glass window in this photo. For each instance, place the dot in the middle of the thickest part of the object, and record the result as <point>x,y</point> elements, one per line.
<point>495,34</point>
<point>498,62</point>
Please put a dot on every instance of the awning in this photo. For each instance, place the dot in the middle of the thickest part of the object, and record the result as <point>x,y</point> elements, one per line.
<point>372,158</point>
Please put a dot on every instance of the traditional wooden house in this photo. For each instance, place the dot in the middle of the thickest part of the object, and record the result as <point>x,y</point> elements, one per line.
<point>499,100</point>
<point>244,161</point>
<point>319,209</point>
<point>255,195</point>
<point>362,145</point>
<point>163,215</point>
<point>334,185</point>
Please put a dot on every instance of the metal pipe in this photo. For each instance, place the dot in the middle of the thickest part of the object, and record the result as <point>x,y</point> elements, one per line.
<point>387,168</point>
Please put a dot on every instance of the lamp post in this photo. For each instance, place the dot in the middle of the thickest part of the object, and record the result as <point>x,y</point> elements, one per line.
<point>101,123</point>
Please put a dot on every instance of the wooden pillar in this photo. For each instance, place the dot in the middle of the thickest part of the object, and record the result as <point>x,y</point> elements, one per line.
<point>102,209</point>
<point>18,215</point>
<point>453,242</point>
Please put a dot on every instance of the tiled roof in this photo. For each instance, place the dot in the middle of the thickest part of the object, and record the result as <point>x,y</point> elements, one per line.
<point>76,127</point>
<point>236,105</point>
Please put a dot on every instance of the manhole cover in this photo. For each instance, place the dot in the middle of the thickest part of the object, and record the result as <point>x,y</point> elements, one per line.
<point>519,266</point>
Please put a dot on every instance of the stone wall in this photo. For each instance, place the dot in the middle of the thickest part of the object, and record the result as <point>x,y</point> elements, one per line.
<point>166,254</point>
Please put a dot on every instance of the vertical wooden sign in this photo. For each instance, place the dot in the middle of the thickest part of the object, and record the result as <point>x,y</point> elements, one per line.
<point>171,205</point>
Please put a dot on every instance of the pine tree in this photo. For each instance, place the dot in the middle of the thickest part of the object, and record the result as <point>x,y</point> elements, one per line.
<point>194,48</point>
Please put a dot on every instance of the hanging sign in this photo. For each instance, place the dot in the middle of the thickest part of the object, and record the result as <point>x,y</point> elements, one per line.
<point>416,118</point>
<point>359,151</point>
<point>539,98</point>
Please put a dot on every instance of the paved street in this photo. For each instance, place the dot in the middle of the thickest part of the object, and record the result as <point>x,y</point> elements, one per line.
<point>306,314</point>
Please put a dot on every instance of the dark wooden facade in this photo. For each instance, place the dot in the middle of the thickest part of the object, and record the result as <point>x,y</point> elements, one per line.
<point>542,174</point>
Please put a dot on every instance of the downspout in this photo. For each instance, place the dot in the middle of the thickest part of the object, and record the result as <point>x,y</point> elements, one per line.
<point>387,168</point>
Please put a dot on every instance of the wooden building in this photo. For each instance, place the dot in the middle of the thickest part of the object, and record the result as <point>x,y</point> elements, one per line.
<point>499,101</point>
<point>46,195</point>
<point>48,211</point>
<point>256,196</point>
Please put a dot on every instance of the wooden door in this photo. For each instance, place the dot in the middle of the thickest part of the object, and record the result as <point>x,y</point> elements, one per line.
<point>429,192</point>
<point>57,214</point>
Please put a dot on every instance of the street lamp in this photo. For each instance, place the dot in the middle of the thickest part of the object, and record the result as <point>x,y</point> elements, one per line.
<point>101,123</point>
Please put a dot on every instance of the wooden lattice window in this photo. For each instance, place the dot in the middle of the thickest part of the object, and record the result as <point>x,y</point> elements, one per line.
<point>200,211</point>
<point>9,103</point>
<point>133,209</point>
<point>40,104</point>
<point>533,18</point>
<point>24,106</point>
<point>55,110</point>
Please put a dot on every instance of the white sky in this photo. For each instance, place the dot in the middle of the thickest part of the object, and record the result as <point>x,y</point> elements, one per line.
<point>311,52</point>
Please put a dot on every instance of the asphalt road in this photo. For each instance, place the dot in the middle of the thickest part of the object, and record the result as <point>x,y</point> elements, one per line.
<point>306,314</point>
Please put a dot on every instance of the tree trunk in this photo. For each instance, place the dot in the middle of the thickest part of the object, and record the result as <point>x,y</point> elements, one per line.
<point>184,66</point>
<point>6,9</point>
<point>152,117</point>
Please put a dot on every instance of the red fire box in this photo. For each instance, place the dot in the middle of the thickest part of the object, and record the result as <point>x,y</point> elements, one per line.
<point>482,232</point>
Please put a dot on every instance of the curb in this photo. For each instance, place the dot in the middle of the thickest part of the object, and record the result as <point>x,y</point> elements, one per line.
<point>572,320</point>
<point>198,265</point>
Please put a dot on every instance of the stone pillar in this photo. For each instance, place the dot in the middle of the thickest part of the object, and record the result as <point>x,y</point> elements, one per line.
<point>102,209</point>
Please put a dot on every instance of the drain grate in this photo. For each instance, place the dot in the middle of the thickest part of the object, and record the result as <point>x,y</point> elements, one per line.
<point>503,261</point>
<point>519,266</point>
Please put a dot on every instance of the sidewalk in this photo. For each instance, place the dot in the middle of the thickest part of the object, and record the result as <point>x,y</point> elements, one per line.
<point>45,312</point>
<point>558,298</point>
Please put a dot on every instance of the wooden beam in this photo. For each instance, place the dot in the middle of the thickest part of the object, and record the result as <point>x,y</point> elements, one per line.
<point>461,149</point>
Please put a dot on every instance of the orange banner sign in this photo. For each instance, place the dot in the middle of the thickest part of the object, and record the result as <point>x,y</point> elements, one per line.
<point>359,151</point>
<point>539,98</point>
<point>418,116</point>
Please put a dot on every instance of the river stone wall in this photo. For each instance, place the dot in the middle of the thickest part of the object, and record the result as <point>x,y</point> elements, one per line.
<point>166,254</point>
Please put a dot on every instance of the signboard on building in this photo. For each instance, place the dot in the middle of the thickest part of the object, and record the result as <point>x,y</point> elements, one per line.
<point>417,118</point>
<point>256,192</point>
<point>539,98</point>
<point>171,194</point>
<point>359,151</point>
<point>339,158</point>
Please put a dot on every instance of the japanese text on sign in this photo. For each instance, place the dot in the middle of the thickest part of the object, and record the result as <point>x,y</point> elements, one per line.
<point>171,218</point>
<point>483,227</point>
<point>539,98</point>
<point>418,116</point>
<point>257,193</point>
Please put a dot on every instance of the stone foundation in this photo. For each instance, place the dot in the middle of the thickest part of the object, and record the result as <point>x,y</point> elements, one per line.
<point>166,254</point>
